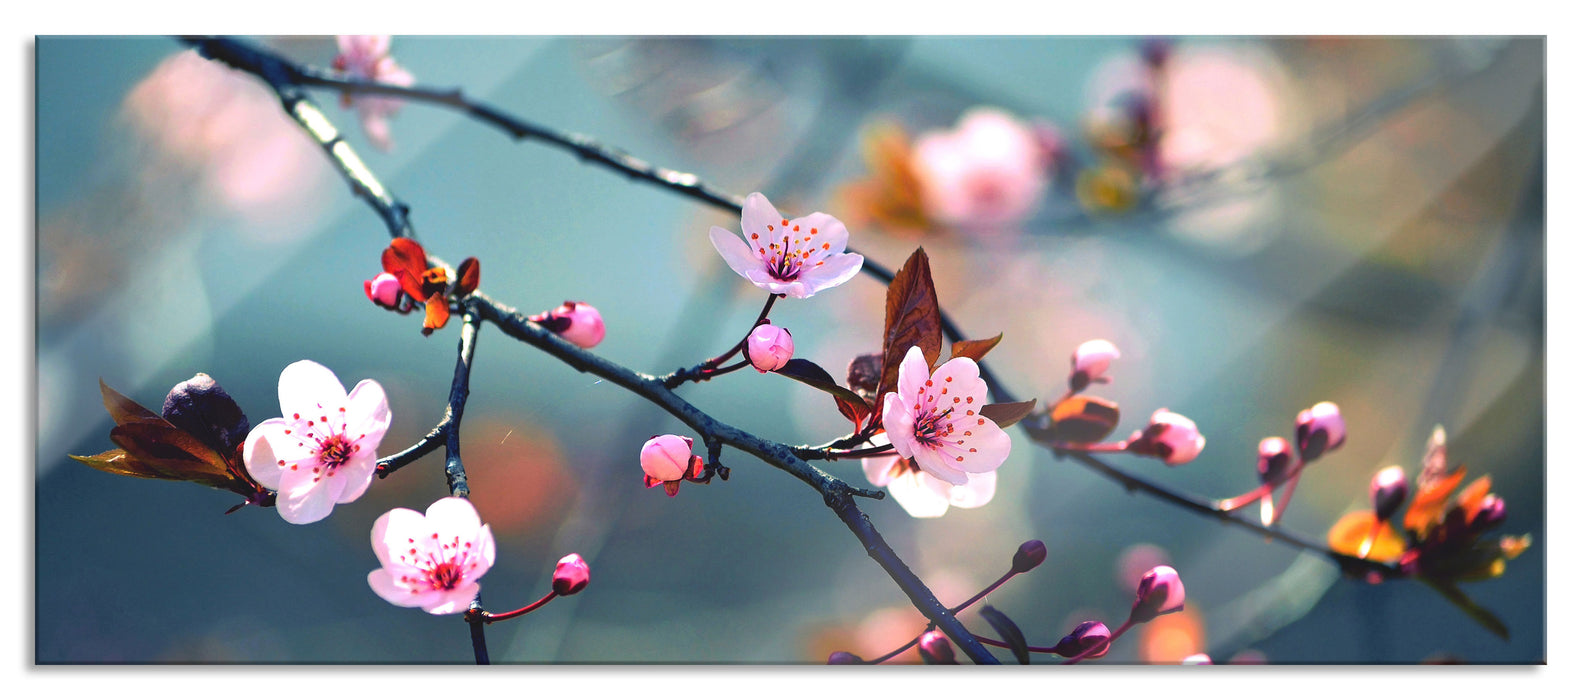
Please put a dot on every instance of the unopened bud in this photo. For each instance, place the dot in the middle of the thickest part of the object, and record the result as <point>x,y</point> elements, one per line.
<point>571,575</point>
<point>769,347</point>
<point>1086,636</point>
<point>667,457</point>
<point>1028,556</point>
<point>1319,429</point>
<point>1159,593</point>
<point>579,323</point>
<point>1197,660</point>
<point>936,649</point>
<point>203,409</point>
<point>1274,460</point>
<point>1170,437</point>
<point>841,658</point>
<point>1491,512</point>
<point>1089,362</point>
<point>384,289</point>
<point>1388,492</point>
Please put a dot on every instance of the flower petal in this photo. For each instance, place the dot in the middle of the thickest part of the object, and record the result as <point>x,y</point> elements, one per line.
<point>983,451</point>
<point>878,469</point>
<point>760,217</point>
<point>900,424</point>
<point>978,491</point>
<point>917,497</point>
<point>452,516</point>
<point>355,477</point>
<point>834,272</point>
<point>736,253</point>
<point>453,601</point>
<point>935,463</point>
<point>367,414</point>
<point>306,386</point>
<point>302,500</point>
<point>913,374</point>
<point>259,455</point>
<point>391,533</point>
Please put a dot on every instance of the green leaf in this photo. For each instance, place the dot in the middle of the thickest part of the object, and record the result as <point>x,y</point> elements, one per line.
<point>1009,633</point>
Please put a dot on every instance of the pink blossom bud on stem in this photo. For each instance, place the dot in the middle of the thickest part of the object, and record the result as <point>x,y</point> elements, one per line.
<point>1275,458</point>
<point>579,323</point>
<point>1170,437</point>
<point>1159,593</point>
<point>1028,556</point>
<point>1491,512</point>
<point>667,459</point>
<point>1388,491</point>
<point>769,347</point>
<point>571,575</point>
<point>1197,660</point>
<point>1084,638</point>
<point>1089,363</point>
<point>384,289</point>
<point>1319,429</point>
<point>936,649</point>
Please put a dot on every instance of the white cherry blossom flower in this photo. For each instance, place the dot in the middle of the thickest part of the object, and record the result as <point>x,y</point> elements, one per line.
<point>431,560</point>
<point>322,451</point>
<point>934,419</point>
<point>921,494</point>
<point>794,257</point>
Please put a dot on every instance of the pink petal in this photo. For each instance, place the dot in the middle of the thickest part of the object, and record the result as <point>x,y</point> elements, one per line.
<point>367,415</point>
<point>992,444</point>
<point>452,516</point>
<point>978,491</point>
<point>391,532</point>
<point>913,374</point>
<point>736,253</point>
<point>259,455</point>
<point>307,386</point>
<point>383,582</point>
<point>306,501</point>
<point>758,215</point>
<point>830,230</point>
<point>452,601</point>
<point>915,493</point>
<point>355,477</point>
<point>878,469</point>
<point>483,551</point>
<point>900,424</point>
<point>835,271</point>
<point>937,465</point>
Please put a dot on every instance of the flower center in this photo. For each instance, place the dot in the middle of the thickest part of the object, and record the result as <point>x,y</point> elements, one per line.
<point>931,428</point>
<point>444,576</point>
<point>335,451</point>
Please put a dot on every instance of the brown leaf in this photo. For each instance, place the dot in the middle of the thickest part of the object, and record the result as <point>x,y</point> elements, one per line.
<point>1428,506</point>
<point>1008,414</point>
<point>911,317</point>
<point>122,409</point>
<point>405,255</point>
<point>1083,418</point>
<point>171,452</point>
<point>974,349</point>
<point>436,313</point>
<point>466,277</point>
<point>119,462</point>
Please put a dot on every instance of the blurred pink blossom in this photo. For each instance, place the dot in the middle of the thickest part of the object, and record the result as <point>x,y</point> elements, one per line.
<point>367,57</point>
<point>1171,437</point>
<point>921,494</point>
<point>987,172</point>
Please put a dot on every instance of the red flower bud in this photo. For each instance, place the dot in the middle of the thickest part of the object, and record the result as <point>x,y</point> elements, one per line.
<point>571,575</point>
<point>1086,636</point>
<point>1388,491</point>
<point>1159,593</point>
<point>1028,556</point>
<point>936,649</point>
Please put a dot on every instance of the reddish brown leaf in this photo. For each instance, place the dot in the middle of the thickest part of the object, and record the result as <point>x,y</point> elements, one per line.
<point>466,277</point>
<point>911,317</point>
<point>122,409</point>
<point>974,349</point>
<point>1083,418</point>
<point>436,313</point>
<point>167,452</point>
<point>850,404</point>
<point>118,462</point>
<point>1428,505</point>
<point>405,255</point>
<point>1008,414</point>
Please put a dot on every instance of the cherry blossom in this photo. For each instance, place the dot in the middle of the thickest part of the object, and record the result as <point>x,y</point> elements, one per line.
<point>431,560</point>
<point>921,494</point>
<point>367,57</point>
<point>988,171</point>
<point>1089,362</point>
<point>322,452</point>
<point>1171,437</point>
<point>769,347</point>
<point>795,257</point>
<point>934,419</point>
<point>666,460</point>
<point>579,323</point>
<point>571,575</point>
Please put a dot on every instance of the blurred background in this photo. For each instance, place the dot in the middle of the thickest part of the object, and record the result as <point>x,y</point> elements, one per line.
<point>1259,225</point>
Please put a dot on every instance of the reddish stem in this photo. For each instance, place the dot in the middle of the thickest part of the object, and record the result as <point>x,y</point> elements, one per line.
<point>984,592</point>
<point>491,618</point>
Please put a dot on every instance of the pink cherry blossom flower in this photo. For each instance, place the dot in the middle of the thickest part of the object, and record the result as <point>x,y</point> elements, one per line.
<point>934,419</point>
<point>322,452</point>
<point>667,459</point>
<point>1160,592</point>
<point>1322,419</point>
<point>579,323</point>
<point>1171,437</point>
<point>384,289</point>
<point>921,494</point>
<point>431,560</point>
<point>769,347</point>
<point>987,172</point>
<point>367,57</point>
<point>794,257</point>
<point>571,575</point>
<point>1090,361</point>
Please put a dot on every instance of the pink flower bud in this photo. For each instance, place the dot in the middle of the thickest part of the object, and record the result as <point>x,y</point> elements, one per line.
<point>1169,436</point>
<point>1089,363</point>
<point>383,290</point>
<point>1197,660</point>
<point>1087,635</point>
<point>840,658</point>
<point>1275,458</point>
<point>1028,556</point>
<point>571,575</point>
<point>1159,593</point>
<point>769,347</point>
<point>1319,429</point>
<point>579,323</point>
<point>1388,491</point>
<point>667,457</point>
<point>936,649</point>
<point>1491,512</point>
